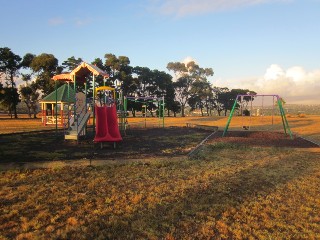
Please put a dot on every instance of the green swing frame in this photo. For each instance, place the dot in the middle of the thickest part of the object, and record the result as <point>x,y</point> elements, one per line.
<point>285,123</point>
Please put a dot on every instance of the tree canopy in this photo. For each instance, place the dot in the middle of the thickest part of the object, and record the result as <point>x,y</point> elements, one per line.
<point>188,87</point>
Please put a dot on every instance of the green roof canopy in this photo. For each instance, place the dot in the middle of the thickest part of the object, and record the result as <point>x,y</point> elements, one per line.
<point>62,93</point>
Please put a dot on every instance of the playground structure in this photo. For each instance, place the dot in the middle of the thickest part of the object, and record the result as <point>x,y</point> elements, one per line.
<point>147,104</point>
<point>242,102</point>
<point>65,97</point>
<point>82,107</point>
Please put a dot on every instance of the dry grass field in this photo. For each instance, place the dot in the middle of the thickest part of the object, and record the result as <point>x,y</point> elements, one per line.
<point>224,191</point>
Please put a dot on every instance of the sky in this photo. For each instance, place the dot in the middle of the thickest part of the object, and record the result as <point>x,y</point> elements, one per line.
<point>268,46</point>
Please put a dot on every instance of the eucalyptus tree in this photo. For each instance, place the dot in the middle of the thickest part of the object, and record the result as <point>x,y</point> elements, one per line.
<point>45,66</point>
<point>144,76</point>
<point>71,63</point>
<point>29,91</point>
<point>161,85</point>
<point>218,98</point>
<point>117,67</point>
<point>10,64</point>
<point>224,98</point>
<point>186,76</point>
<point>182,91</point>
<point>200,95</point>
<point>30,96</point>
<point>153,83</point>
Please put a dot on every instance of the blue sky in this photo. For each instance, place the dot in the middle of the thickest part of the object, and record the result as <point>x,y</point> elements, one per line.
<point>270,46</point>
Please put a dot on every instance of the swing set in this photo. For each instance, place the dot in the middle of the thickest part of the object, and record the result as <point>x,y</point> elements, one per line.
<point>242,101</point>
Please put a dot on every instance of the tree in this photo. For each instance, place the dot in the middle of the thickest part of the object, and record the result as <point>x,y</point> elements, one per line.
<point>9,97</point>
<point>29,92</point>
<point>182,89</point>
<point>200,94</point>
<point>27,60</point>
<point>152,83</point>
<point>45,66</point>
<point>30,95</point>
<point>175,108</point>
<point>217,100</point>
<point>224,98</point>
<point>179,69</point>
<point>71,63</point>
<point>117,67</point>
<point>10,64</point>
<point>187,75</point>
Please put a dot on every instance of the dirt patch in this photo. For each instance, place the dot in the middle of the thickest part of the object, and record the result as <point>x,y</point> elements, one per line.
<point>262,139</point>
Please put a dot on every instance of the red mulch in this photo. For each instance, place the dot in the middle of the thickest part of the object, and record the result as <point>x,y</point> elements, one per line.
<point>265,139</point>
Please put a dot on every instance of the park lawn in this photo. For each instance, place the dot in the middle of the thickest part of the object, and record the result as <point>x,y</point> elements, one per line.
<point>224,191</point>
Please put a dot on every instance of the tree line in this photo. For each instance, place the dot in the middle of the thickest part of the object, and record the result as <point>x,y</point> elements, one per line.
<point>189,85</point>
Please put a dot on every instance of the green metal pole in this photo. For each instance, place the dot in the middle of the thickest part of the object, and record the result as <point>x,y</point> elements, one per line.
<point>230,116</point>
<point>284,119</point>
<point>288,128</point>
<point>75,117</point>
<point>125,111</point>
<point>56,108</point>
<point>105,97</point>
<point>163,111</point>
<point>86,106</point>
<point>93,106</point>
<point>159,112</point>
<point>125,104</point>
<point>86,92</point>
<point>75,101</point>
<point>281,114</point>
<point>68,105</point>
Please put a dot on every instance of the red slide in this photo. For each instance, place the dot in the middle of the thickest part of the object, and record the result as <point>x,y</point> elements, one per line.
<point>107,129</point>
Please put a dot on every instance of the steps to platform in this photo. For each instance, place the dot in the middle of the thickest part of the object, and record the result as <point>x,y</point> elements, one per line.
<point>77,129</point>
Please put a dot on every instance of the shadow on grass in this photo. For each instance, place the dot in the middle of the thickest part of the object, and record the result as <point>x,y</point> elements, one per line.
<point>207,198</point>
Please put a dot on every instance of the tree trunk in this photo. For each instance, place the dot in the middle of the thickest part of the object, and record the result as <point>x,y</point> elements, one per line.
<point>34,109</point>
<point>13,98</point>
<point>182,111</point>
<point>28,107</point>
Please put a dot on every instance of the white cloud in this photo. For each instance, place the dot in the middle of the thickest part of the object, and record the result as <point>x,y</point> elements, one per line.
<point>56,21</point>
<point>82,21</point>
<point>188,59</point>
<point>295,84</point>
<point>79,22</point>
<point>180,8</point>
